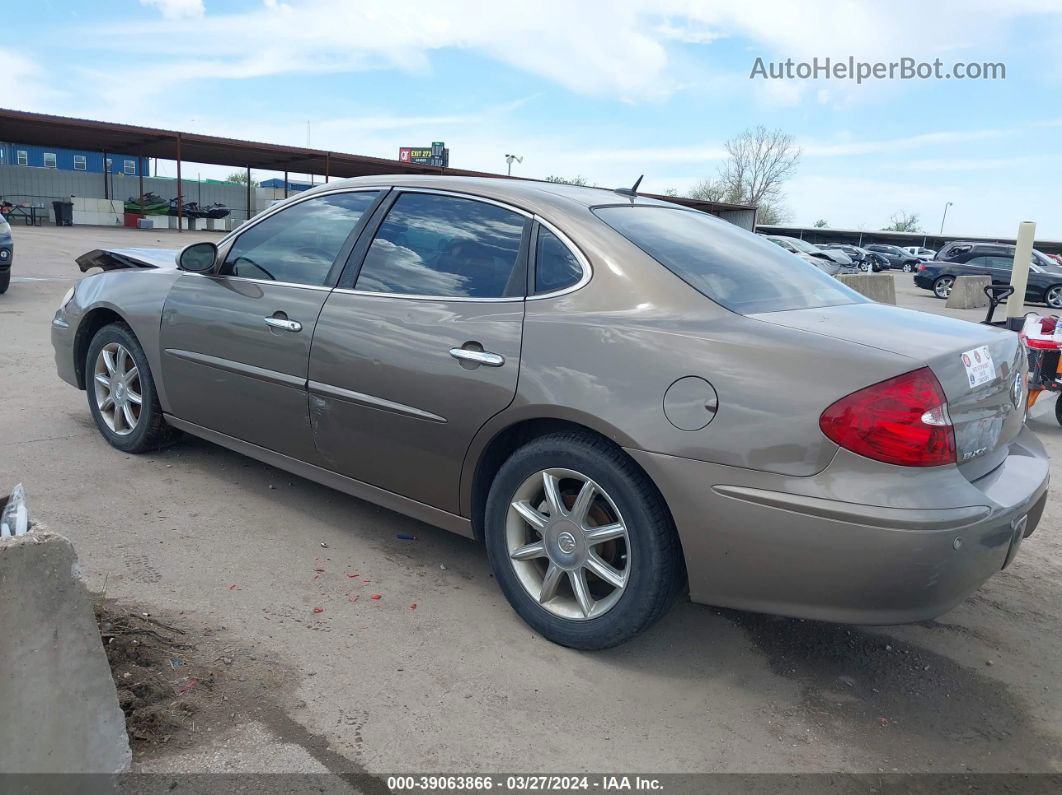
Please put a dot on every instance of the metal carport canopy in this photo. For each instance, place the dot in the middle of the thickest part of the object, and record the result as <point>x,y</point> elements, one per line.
<point>41,129</point>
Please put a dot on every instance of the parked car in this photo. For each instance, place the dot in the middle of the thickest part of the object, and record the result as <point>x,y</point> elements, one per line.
<point>867,261</point>
<point>964,250</point>
<point>921,252</point>
<point>897,257</point>
<point>612,393</point>
<point>831,262</point>
<point>7,254</point>
<point>1044,285</point>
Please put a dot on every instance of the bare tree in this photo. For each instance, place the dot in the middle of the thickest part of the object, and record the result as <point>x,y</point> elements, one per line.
<point>576,180</point>
<point>903,222</point>
<point>759,161</point>
<point>822,223</point>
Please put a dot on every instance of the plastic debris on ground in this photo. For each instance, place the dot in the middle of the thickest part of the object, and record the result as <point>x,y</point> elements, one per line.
<point>14,521</point>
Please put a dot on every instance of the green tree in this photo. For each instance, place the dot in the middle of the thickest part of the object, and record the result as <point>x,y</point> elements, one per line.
<point>821,223</point>
<point>240,178</point>
<point>903,222</point>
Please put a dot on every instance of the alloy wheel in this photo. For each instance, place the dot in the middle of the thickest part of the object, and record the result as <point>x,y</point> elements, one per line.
<point>1054,297</point>
<point>568,544</point>
<point>907,267</point>
<point>117,389</point>
<point>943,287</point>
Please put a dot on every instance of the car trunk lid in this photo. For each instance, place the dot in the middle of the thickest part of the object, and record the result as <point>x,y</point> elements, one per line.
<point>980,368</point>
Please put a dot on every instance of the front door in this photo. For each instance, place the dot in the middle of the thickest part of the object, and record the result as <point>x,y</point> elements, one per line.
<point>420,346</point>
<point>236,343</point>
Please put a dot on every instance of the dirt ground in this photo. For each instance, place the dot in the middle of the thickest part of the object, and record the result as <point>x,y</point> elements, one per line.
<point>277,574</point>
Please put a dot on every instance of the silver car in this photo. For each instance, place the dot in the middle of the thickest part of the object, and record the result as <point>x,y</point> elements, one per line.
<point>616,395</point>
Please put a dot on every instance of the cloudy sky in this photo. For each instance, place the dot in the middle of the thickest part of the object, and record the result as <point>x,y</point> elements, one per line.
<point>605,90</point>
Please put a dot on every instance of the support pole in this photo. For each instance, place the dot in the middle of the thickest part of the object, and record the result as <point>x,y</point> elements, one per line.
<point>106,187</point>
<point>248,193</point>
<point>180,189</point>
<point>140,174</point>
<point>328,166</point>
<point>285,184</point>
<point>1019,275</point>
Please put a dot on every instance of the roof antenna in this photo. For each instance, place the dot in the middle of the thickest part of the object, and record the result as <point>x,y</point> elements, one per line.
<point>632,191</point>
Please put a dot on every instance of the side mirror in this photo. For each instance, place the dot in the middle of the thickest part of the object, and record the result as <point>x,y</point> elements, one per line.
<point>198,257</point>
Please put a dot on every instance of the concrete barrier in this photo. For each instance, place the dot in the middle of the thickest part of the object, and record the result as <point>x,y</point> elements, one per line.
<point>878,287</point>
<point>968,292</point>
<point>59,710</point>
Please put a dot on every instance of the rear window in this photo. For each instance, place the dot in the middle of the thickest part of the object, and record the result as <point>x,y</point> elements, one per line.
<point>742,271</point>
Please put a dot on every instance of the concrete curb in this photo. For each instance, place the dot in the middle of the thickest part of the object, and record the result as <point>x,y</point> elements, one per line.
<point>968,292</point>
<point>57,698</point>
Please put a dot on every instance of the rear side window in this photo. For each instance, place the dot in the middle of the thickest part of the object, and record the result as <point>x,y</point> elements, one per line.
<point>556,267</point>
<point>299,243</point>
<point>432,245</point>
<point>735,268</point>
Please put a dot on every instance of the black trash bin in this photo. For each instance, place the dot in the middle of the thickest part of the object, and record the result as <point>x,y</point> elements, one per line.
<point>64,213</point>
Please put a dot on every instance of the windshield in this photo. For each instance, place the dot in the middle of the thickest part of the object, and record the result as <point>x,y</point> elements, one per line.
<point>739,270</point>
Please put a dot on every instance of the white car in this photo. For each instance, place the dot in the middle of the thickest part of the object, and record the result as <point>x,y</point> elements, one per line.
<point>920,252</point>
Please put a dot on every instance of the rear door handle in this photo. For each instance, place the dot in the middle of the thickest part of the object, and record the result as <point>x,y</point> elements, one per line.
<point>478,357</point>
<point>283,324</point>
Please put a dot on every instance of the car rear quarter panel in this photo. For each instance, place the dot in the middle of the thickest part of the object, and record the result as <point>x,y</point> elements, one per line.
<point>137,296</point>
<point>604,356</point>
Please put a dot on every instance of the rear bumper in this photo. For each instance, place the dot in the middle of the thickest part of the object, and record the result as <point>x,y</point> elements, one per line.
<point>925,282</point>
<point>800,547</point>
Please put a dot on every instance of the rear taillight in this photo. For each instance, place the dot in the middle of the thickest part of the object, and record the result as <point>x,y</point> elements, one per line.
<point>901,421</point>
<point>921,266</point>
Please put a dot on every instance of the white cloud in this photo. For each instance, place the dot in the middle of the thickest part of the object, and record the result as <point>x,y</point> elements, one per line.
<point>177,9</point>
<point>24,82</point>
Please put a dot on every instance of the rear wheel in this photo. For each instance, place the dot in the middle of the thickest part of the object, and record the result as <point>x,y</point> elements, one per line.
<point>121,392</point>
<point>581,542</point>
<point>867,267</point>
<point>1053,296</point>
<point>5,280</point>
<point>908,267</point>
<point>942,286</point>
<point>1058,409</point>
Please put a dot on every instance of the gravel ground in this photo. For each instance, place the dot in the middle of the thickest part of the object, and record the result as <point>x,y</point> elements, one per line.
<point>245,557</point>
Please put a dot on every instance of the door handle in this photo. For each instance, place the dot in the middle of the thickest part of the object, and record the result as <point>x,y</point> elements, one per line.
<point>283,324</point>
<point>478,357</point>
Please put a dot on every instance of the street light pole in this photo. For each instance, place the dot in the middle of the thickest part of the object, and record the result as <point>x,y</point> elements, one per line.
<point>509,162</point>
<point>946,206</point>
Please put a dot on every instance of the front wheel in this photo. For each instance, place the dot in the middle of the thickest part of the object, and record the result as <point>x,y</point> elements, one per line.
<point>866,267</point>
<point>942,286</point>
<point>580,541</point>
<point>5,281</point>
<point>121,392</point>
<point>1053,296</point>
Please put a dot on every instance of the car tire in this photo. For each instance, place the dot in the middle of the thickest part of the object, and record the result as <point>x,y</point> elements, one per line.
<point>867,267</point>
<point>1053,296</point>
<point>555,551</point>
<point>117,376</point>
<point>908,267</point>
<point>942,287</point>
<point>5,281</point>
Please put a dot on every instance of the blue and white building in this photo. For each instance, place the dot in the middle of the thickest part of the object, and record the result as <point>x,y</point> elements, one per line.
<point>15,154</point>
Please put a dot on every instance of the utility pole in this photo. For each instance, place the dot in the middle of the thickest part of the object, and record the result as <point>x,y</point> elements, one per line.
<point>946,206</point>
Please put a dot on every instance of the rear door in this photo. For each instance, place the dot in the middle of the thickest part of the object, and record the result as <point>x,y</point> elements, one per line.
<point>236,343</point>
<point>420,344</point>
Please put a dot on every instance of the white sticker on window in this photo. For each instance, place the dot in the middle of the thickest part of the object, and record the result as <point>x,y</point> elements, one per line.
<point>979,367</point>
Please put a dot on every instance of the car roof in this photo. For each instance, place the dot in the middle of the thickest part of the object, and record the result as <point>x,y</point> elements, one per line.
<point>515,191</point>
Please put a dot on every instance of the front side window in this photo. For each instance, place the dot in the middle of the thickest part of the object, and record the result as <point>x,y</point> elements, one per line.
<point>79,163</point>
<point>49,159</point>
<point>741,271</point>
<point>556,267</point>
<point>299,243</point>
<point>130,166</point>
<point>22,157</point>
<point>432,245</point>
